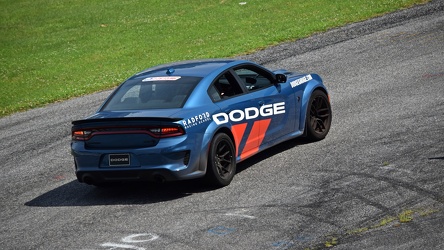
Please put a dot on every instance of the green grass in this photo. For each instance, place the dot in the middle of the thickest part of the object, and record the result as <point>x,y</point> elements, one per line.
<point>53,50</point>
<point>404,216</point>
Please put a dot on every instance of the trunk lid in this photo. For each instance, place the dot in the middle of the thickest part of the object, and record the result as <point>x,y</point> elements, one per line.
<point>124,132</point>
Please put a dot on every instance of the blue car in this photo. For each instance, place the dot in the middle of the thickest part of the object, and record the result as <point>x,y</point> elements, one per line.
<point>196,119</point>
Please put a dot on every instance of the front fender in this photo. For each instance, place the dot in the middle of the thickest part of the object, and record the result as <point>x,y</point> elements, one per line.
<point>312,85</point>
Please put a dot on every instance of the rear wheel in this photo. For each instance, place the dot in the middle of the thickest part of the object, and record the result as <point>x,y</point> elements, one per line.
<point>319,116</point>
<point>221,165</point>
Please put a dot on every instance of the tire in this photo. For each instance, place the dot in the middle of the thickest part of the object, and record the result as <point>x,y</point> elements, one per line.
<point>318,120</point>
<point>221,166</point>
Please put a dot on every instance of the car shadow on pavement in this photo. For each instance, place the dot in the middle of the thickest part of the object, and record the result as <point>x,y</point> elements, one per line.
<point>279,148</point>
<point>79,194</point>
<point>75,193</point>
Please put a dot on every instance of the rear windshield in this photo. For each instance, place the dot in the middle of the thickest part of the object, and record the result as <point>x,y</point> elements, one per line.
<point>152,93</point>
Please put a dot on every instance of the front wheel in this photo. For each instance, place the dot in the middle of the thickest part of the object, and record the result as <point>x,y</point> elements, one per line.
<point>319,116</point>
<point>221,165</point>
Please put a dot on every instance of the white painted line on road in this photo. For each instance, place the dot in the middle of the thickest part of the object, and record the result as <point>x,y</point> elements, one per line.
<point>240,213</point>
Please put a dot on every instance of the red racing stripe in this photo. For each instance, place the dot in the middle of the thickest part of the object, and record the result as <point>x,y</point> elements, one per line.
<point>238,132</point>
<point>255,138</point>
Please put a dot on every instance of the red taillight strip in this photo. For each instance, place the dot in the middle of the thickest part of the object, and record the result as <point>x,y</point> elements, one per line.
<point>163,132</point>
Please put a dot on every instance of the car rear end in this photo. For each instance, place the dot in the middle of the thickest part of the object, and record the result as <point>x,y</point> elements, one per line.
<point>128,149</point>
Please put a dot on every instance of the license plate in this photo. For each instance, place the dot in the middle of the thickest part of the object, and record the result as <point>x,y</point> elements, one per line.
<point>119,160</point>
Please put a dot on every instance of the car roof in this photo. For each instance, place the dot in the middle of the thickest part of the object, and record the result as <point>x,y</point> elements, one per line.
<point>199,68</point>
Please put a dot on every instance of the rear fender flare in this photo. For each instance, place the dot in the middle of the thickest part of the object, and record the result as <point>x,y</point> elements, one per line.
<point>211,131</point>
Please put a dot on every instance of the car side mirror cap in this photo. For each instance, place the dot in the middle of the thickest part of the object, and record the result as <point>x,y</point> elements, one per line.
<point>281,78</point>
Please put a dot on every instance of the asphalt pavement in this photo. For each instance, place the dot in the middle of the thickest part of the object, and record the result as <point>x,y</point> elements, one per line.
<point>375,182</point>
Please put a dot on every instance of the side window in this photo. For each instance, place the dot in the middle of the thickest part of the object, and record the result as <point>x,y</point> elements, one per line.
<point>253,78</point>
<point>224,87</point>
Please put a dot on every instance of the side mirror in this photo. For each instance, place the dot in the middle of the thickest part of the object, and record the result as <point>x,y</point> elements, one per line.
<point>281,78</point>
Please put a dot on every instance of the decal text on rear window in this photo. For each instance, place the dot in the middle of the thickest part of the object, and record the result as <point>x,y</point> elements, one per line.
<point>161,78</point>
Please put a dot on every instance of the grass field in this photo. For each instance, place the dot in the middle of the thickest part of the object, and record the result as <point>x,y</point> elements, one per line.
<point>52,50</point>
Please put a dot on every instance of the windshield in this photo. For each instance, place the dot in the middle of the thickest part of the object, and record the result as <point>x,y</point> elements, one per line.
<point>152,93</point>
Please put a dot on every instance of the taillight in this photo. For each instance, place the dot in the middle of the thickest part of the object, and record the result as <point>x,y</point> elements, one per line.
<point>81,135</point>
<point>163,132</point>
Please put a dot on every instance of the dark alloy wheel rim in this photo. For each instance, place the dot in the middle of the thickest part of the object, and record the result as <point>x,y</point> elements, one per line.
<point>319,114</point>
<point>223,159</point>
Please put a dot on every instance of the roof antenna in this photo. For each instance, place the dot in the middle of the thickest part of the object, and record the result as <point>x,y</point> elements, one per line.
<point>170,71</point>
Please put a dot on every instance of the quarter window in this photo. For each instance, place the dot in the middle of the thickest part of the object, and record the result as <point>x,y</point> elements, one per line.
<point>225,87</point>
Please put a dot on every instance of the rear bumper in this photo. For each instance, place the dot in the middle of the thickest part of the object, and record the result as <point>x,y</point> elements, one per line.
<point>177,158</point>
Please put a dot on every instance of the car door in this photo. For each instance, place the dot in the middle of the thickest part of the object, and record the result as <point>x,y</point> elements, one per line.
<point>240,112</point>
<point>260,112</point>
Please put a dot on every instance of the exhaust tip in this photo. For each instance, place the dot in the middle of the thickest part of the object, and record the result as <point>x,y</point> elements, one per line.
<point>159,178</point>
<point>88,179</point>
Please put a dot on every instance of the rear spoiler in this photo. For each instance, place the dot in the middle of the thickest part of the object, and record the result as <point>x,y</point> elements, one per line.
<point>125,119</point>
